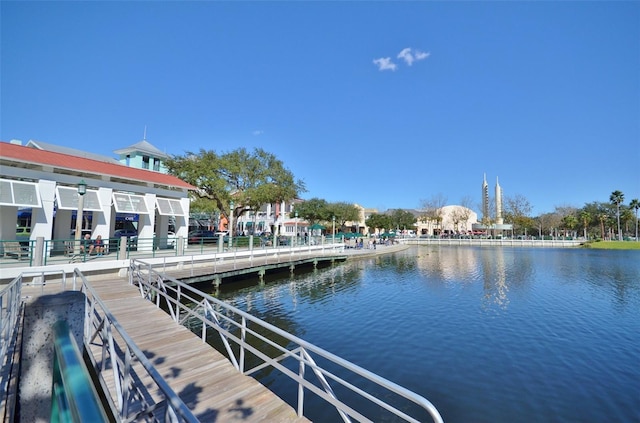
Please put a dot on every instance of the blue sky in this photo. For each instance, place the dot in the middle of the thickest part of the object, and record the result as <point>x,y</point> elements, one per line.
<point>543,95</point>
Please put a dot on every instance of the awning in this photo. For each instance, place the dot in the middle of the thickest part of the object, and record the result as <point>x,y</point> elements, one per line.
<point>129,203</point>
<point>19,193</point>
<point>169,207</point>
<point>67,199</point>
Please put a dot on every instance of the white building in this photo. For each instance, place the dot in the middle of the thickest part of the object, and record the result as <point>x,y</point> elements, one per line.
<point>47,183</point>
<point>454,219</point>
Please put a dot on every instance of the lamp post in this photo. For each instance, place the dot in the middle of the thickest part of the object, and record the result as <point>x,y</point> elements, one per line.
<point>333,231</point>
<point>82,190</point>
<point>296,234</point>
<point>231,224</point>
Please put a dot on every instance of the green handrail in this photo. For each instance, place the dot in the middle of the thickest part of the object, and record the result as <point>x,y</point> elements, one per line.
<point>73,396</point>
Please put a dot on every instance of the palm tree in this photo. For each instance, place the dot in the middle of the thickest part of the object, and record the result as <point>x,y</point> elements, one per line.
<point>635,204</point>
<point>570,222</point>
<point>602,217</point>
<point>586,218</point>
<point>617,197</point>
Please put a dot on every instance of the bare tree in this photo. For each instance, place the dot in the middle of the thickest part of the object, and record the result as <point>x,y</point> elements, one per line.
<point>555,219</point>
<point>517,210</point>
<point>432,209</point>
<point>465,211</point>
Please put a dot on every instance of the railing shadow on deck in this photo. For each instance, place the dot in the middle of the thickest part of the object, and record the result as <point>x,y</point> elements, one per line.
<point>119,359</point>
<point>249,342</point>
<point>128,364</point>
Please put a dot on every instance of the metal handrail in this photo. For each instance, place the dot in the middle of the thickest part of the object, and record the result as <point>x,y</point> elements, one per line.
<point>10,310</point>
<point>74,398</point>
<point>60,251</point>
<point>119,354</point>
<point>10,303</point>
<point>17,248</point>
<point>234,327</point>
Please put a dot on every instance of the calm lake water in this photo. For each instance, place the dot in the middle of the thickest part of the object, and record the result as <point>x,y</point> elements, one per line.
<point>485,334</point>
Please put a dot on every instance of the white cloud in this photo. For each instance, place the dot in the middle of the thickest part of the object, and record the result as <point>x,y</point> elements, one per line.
<point>258,132</point>
<point>409,57</point>
<point>385,63</point>
<point>420,55</point>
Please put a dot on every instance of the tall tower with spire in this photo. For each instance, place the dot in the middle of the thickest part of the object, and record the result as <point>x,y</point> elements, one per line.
<point>485,198</point>
<point>499,219</point>
<point>494,224</point>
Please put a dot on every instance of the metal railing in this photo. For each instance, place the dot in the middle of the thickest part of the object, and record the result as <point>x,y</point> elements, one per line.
<point>11,303</point>
<point>259,256</point>
<point>243,336</point>
<point>127,363</point>
<point>118,354</point>
<point>11,311</point>
<point>61,251</point>
<point>20,251</point>
<point>74,398</point>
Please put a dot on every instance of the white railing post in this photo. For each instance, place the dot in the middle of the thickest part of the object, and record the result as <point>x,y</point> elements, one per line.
<point>243,337</point>
<point>301,370</point>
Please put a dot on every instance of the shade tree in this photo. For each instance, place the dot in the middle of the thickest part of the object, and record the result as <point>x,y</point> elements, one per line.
<point>379,222</point>
<point>248,180</point>
<point>517,211</point>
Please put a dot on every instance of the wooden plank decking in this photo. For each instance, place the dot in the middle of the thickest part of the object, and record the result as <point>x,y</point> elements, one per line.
<point>205,379</point>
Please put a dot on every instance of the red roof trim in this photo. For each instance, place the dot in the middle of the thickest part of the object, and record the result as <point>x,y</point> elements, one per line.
<point>42,157</point>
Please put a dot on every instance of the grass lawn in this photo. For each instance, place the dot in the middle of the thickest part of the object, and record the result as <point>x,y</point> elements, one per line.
<point>614,245</point>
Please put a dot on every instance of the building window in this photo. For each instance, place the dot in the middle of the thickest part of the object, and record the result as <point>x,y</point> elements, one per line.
<point>156,165</point>
<point>145,162</point>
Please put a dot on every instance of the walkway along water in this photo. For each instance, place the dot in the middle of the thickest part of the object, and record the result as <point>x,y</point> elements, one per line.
<point>143,362</point>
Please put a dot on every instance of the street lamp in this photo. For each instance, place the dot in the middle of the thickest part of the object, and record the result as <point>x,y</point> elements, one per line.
<point>296,234</point>
<point>231,225</point>
<point>82,190</point>
<point>333,231</point>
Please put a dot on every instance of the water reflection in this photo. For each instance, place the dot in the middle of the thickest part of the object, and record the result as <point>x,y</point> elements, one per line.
<point>495,280</point>
<point>456,265</point>
<point>473,328</point>
<point>499,270</point>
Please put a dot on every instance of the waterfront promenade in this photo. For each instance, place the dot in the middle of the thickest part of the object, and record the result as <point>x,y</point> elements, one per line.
<point>202,377</point>
<point>10,267</point>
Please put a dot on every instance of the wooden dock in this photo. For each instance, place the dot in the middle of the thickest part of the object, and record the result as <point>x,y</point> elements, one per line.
<point>205,379</point>
<point>217,271</point>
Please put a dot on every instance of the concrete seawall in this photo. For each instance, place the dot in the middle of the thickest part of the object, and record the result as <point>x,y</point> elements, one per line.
<point>552,243</point>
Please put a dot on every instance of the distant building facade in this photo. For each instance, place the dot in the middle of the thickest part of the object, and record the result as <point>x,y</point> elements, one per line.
<point>453,219</point>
